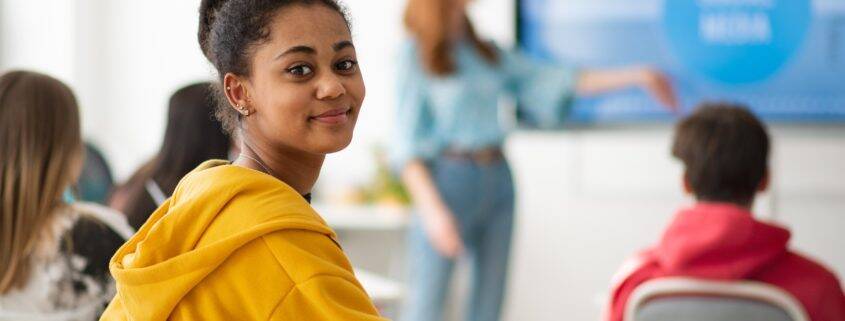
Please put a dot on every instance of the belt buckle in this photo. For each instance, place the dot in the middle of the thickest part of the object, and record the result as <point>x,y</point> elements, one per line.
<point>485,157</point>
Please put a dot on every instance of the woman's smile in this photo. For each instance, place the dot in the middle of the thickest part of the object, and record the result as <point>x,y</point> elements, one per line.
<point>336,116</point>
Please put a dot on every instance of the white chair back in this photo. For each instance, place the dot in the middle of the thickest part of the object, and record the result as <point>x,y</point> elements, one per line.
<point>688,299</point>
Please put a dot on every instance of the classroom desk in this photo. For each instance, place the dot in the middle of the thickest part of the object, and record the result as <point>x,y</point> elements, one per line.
<point>383,291</point>
<point>348,218</point>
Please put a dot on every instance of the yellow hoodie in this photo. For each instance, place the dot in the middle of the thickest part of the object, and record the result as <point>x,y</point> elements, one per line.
<point>235,244</point>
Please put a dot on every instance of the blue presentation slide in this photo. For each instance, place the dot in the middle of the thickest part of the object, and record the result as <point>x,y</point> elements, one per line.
<point>785,59</point>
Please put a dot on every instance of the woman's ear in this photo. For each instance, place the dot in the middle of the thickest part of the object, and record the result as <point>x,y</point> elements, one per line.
<point>237,93</point>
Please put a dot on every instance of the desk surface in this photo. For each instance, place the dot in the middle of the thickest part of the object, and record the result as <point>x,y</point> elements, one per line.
<point>382,291</point>
<point>351,217</point>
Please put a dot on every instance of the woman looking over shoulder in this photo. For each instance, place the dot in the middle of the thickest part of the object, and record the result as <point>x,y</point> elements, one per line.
<point>239,241</point>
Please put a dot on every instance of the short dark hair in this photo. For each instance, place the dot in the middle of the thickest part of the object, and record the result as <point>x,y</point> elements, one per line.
<point>229,31</point>
<point>725,151</point>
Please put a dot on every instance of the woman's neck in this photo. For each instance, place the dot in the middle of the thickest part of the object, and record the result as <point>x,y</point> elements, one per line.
<point>298,169</point>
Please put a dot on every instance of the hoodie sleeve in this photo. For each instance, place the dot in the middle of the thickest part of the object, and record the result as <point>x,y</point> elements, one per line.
<point>327,298</point>
<point>325,287</point>
<point>634,272</point>
<point>114,311</point>
<point>833,304</point>
<point>544,91</point>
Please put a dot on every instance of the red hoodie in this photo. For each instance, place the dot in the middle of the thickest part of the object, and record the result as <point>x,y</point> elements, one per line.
<point>725,242</point>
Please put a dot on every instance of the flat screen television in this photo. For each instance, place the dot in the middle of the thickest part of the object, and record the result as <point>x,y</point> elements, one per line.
<point>785,59</point>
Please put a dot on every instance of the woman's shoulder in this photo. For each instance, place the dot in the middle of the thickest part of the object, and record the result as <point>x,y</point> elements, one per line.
<point>95,236</point>
<point>304,254</point>
<point>281,262</point>
<point>232,199</point>
<point>221,176</point>
<point>239,189</point>
<point>74,282</point>
<point>210,170</point>
<point>289,254</point>
<point>88,234</point>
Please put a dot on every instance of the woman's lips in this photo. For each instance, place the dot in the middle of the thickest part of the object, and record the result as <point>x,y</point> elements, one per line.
<point>334,117</point>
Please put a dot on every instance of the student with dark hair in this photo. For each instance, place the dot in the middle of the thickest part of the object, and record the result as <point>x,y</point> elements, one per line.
<point>54,252</point>
<point>240,241</point>
<point>193,135</point>
<point>725,152</point>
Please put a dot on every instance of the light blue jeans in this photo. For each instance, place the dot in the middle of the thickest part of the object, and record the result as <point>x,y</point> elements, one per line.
<point>482,200</point>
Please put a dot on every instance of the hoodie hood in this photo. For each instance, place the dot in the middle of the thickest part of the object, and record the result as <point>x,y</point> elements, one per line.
<point>719,240</point>
<point>174,250</point>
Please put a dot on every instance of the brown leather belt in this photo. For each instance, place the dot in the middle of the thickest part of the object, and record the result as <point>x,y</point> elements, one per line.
<point>482,156</point>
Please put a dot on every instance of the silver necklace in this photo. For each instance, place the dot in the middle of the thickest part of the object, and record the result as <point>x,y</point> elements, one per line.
<point>260,163</point>
<point>269,172</point>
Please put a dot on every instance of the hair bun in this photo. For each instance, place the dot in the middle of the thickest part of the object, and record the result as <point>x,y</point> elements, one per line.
<point>208,12</point>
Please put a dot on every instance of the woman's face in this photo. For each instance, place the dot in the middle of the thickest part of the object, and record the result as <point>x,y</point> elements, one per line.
<point>305,89</point>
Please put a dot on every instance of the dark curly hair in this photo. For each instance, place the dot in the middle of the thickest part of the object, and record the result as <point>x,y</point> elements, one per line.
<point>228,32</point>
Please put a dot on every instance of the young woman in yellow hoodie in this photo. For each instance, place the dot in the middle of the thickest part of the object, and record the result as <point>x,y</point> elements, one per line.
<point>239,241</point>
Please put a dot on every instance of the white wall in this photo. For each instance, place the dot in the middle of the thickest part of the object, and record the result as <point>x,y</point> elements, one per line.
<point>36,36</point>
<point>148,49</point>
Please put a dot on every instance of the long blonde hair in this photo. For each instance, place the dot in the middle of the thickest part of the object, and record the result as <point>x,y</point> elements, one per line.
<point>40,154</point>
<point>427,21</point>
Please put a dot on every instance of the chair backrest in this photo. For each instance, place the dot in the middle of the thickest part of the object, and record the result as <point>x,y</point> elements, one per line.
<point>95,181</point>
<point>687,299</point>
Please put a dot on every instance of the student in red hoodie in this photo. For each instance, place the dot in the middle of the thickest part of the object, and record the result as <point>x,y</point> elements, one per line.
<point>725,151</point>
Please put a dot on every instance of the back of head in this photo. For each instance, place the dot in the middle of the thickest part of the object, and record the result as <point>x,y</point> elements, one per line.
<point>40,155</point>
<point>725,151</point>
<point>192,136</point>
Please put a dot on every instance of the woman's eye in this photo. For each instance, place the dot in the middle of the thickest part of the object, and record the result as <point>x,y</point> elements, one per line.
<point>346,65</point>
<point>301,70</point>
